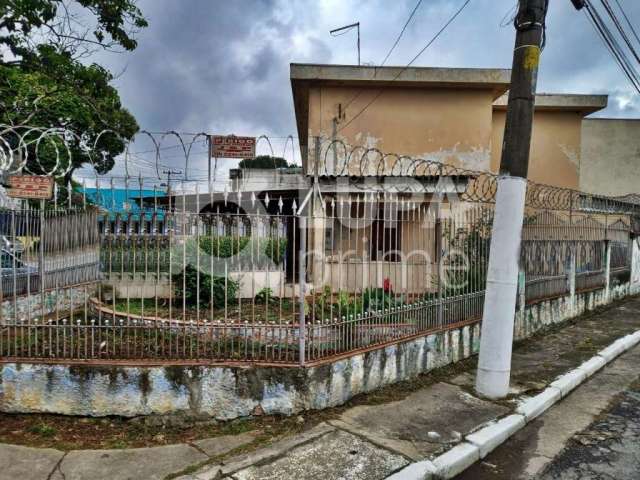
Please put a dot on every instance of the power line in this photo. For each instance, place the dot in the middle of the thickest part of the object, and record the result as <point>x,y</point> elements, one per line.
<point>624,14</point>
<point>415,9</point>
<point>612,44</point>
<point>621,30</point>
<point>429,43</point>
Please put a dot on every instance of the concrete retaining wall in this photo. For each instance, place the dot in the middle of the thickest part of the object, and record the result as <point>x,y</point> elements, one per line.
<point>530,319</point>
<point>231,392</point>
<point>35,305</point>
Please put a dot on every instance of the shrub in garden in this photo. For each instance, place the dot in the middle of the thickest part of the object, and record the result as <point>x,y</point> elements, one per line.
<point>275,249</point>
<point>264,249</point>
<point>223,247</point>
<point>212,288</point>
<point>265,296</point>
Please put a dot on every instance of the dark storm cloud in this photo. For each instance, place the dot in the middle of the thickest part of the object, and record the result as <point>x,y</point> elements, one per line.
<point>223,66</point>
<point>203,65</point>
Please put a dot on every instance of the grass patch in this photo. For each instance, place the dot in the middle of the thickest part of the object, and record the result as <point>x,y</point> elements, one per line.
<point>42,429</point>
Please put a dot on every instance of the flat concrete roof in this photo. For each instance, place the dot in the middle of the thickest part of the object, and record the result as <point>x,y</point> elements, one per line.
<point>304,75</point>
<point>491,78</point>
<point>612,119</point>
<point>584,104</point>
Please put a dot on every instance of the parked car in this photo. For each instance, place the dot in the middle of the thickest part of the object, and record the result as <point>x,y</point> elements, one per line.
<point>14,246</point>
<point>17,277</point>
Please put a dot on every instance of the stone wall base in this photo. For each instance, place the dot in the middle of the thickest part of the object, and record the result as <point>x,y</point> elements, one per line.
<point>229,392</point>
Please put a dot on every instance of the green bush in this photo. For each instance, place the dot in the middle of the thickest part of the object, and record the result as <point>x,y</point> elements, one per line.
<point>344,305</point>
<point>264,249</point>
<point>212,289</point>
<point>275,249</point>
<point>223,247</point>
<point>265,296</point>
<point>375,299</point>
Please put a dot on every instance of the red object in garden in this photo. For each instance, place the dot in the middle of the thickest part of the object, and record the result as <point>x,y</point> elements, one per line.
<point>386,286</point>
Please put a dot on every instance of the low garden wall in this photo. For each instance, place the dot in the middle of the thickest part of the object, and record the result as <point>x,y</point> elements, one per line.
<point>227,392</point>
<point>34,305</point>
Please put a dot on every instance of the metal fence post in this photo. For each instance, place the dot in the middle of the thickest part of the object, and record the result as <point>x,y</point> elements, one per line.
<point>634,278</point>
<point>522,294</point>
<point>302,266</point>
<point>607,269</point>
<point>572,276</point>
<point>438,245</point>
<point>41,257</point>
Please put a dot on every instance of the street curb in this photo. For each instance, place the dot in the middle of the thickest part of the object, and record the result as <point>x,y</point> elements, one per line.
<point>484,440</point>
<point>494,434</point>
<point>424,469</point>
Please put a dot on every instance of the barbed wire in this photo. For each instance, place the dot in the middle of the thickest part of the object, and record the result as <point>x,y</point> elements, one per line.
<point>338,159</point>
<point>20,146</point>
<point>330,159</point>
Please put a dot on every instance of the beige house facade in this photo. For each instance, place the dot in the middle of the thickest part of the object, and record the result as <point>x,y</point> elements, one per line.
<point>456,116</point>
<point>610,156</point>
<point>436,113</point>
<point>555,156</point>
<point>358,123</point>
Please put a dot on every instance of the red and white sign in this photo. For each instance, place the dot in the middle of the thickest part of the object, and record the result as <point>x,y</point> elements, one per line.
<point>232,147</point>
<point>30,186</point>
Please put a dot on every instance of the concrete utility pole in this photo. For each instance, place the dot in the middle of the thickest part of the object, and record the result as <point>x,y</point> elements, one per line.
<point>494,365</point>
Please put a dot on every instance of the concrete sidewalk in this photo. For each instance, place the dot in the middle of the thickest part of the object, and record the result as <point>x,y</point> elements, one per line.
<point>363,442</point>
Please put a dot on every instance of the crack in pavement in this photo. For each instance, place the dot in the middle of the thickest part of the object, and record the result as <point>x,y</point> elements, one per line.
<point>57,467</point>
<point>196,447</point>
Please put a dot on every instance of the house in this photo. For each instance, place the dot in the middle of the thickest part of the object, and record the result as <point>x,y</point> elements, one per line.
<point>373,213</point>
<point>556,139</point>
<point>442,114</point>
<point>360,130</point>
<point>127,209</point>
<point>610,156</point>
<point>372,217</point>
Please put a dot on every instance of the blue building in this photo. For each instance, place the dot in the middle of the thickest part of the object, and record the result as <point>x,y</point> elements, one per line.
<point>128,209</point>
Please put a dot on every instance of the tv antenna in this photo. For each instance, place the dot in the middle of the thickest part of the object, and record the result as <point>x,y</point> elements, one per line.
<point>347,28</point>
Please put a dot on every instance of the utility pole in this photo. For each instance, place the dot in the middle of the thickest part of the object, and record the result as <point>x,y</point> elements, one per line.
<point>168,173</point>
<point>494,364</point>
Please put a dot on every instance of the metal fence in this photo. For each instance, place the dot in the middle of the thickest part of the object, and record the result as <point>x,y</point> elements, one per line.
<point>247,280</point>
<point>251,281</point>
<point>284,276</point>
<point>564,247</point>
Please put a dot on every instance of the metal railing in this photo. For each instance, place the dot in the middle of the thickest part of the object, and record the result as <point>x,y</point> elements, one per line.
<point>225,285</point>
<point>280,276</point>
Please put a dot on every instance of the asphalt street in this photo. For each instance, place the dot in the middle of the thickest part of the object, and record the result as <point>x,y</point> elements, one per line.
<point>592,434</point>
<point>608,449</point>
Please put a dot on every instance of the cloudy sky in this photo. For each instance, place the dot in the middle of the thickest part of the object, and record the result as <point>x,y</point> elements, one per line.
<point>223,66</point>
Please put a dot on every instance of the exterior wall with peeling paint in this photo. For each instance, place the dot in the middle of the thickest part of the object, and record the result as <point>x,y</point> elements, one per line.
<point>610,156</point>
<point>224,392</point>
<point>452,126</point>
<point>230,392</point>
<point>555,146</point>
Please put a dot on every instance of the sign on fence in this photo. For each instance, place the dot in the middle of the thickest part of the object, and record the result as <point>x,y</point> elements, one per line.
<point>30,186</point>
<point>232,147</point>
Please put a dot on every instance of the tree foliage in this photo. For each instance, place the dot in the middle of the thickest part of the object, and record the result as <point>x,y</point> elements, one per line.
<point>46,80</point>
<point>264,161</point>
<point>67,25</point>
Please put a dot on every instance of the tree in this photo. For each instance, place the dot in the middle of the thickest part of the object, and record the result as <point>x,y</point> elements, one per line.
<point>65,25</point>
<point>65,93</point>
<point>265,161</point>
<point>46,82</point>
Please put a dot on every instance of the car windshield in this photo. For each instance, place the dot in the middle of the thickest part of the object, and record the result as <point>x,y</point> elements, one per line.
<point>6,261</point>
